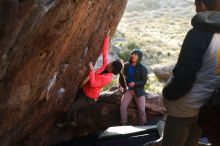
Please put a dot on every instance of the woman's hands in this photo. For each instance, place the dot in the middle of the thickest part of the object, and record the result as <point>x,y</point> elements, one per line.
<point>108,32</point>
<point>131,84</point>
<point>85,81</point>
<point>91,66</point>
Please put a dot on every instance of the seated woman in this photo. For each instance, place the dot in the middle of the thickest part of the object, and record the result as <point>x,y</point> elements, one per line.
<point>91,90</point>
<point>136,75</point>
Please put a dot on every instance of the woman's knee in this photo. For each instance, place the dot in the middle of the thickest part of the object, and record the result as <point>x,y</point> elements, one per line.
<point>123,107</point>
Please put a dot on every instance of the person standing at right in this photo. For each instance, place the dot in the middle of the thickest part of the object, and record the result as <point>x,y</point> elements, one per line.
<point>195,76</point>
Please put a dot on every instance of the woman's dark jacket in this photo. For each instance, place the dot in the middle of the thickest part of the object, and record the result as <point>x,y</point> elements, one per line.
<point>140,78</point>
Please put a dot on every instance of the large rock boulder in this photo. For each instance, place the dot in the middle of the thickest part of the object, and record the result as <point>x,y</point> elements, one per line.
<point>163,72</point>
<point>45,46</point>
<point>106,113</point>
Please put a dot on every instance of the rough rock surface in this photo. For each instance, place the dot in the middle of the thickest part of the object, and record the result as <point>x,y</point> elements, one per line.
<point>106,112</point>
<point>45,46</point>
<point>163,72</point>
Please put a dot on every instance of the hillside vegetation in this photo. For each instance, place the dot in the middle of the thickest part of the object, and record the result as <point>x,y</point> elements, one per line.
<point>158,28</point>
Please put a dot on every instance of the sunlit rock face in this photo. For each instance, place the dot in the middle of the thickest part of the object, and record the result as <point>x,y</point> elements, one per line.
<point>45,46</point>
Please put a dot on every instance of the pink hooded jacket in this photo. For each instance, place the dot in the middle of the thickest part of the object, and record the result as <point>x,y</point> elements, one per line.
<point>97,81</point>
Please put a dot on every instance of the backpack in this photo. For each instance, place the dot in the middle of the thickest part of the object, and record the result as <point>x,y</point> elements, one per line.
<point>210,119</point>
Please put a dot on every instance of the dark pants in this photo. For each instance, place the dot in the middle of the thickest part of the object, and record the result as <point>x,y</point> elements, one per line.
<point>140,102</point>
<point>81,102</point>
<point>181,131</point>
<point>209,121</point>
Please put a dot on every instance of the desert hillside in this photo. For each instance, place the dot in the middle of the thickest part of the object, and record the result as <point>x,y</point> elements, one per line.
<point>159,28</point>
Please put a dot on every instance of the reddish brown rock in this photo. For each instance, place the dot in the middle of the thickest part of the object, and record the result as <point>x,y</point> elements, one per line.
<point>154,106</point>
<point>106,113</point>
<point>45,47</point>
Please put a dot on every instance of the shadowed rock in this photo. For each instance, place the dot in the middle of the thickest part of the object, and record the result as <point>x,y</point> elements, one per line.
<point>106,111</point>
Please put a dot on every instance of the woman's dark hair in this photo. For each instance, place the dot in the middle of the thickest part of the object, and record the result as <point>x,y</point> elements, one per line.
<point>122,81</point>
<point>117,66</point>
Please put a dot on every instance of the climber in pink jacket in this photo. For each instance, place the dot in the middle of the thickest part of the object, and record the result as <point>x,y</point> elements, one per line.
<point>103,76</point>
<point>94,83</point>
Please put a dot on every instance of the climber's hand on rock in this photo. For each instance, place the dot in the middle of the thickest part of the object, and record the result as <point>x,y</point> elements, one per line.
<point>108,32</point>
<point>91,66</point>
